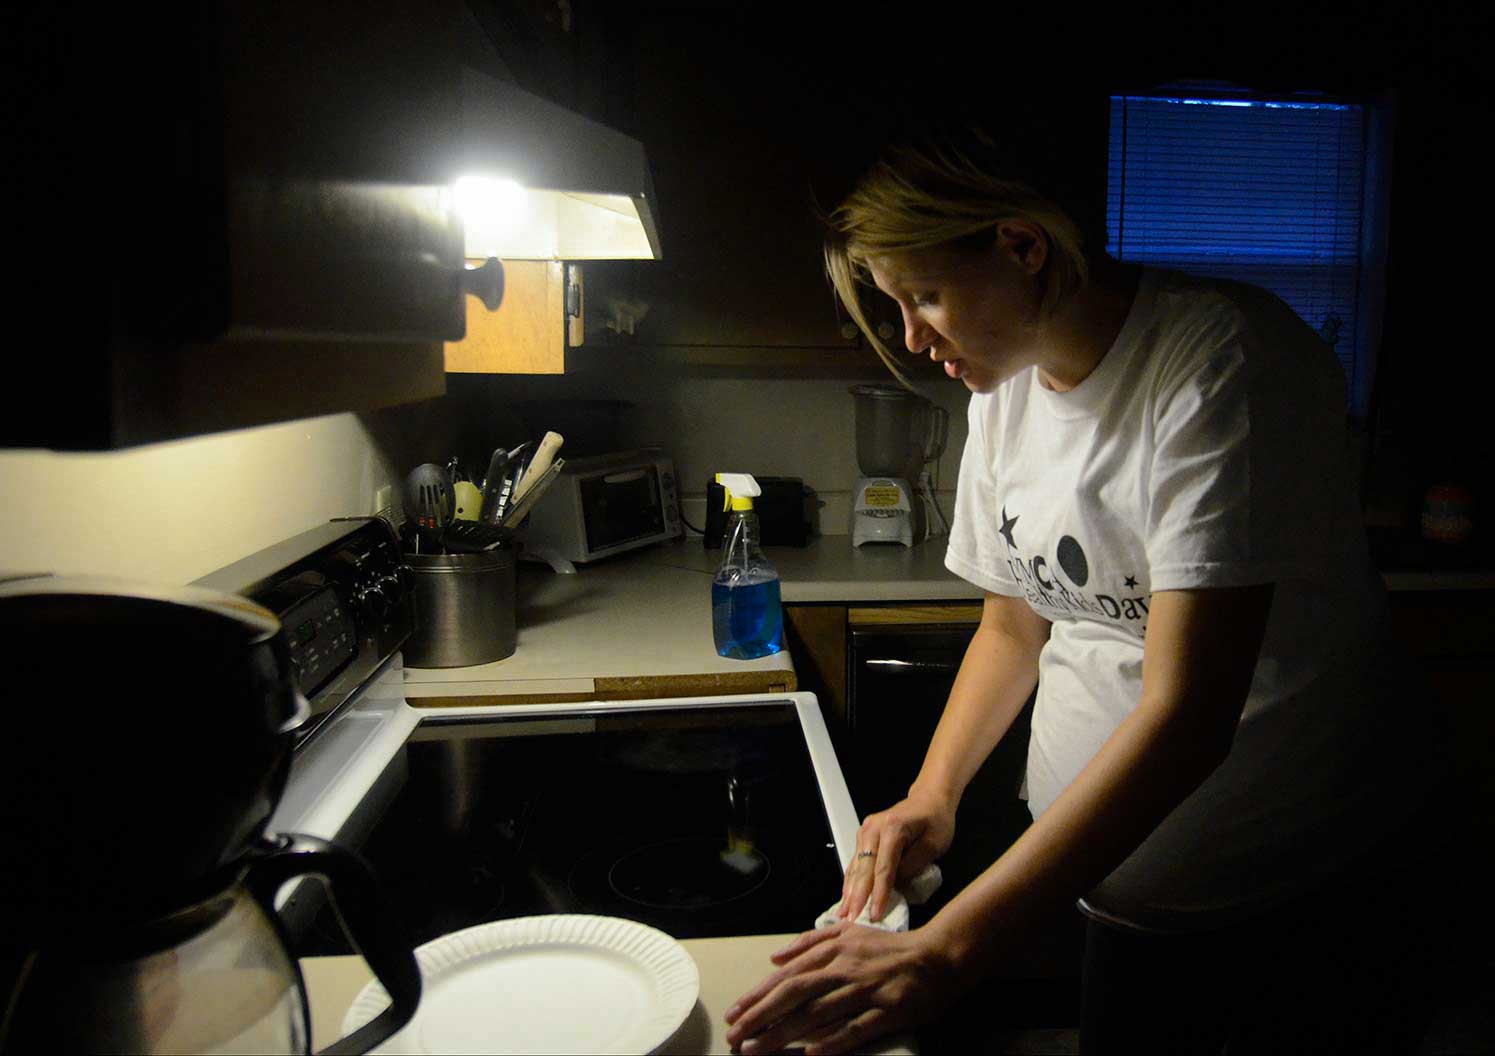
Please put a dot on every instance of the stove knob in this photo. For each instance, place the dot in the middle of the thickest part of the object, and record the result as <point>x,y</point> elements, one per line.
<point>373,604</point>
<point>396,590</point>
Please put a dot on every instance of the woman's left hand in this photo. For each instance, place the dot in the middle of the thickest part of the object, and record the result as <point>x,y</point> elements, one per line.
<point>839,987</point>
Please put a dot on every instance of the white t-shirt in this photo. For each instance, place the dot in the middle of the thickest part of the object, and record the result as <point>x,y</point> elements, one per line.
<point>1207,449</point>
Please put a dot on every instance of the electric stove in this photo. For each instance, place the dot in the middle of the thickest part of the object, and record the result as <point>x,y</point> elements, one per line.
<point>697,819</point>
<point>705,816</point>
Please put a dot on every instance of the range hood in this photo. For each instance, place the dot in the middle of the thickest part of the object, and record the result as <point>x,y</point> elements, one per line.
<point>536,181</point>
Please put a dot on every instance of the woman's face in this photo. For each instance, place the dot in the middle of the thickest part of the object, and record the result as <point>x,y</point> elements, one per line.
<point>975,311</point>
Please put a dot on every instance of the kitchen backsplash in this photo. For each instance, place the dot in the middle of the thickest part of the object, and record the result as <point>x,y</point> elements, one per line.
<point>173,512</point>
<point>774,426</point>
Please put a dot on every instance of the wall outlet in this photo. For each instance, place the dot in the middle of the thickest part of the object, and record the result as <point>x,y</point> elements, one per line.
<point>384,498</point>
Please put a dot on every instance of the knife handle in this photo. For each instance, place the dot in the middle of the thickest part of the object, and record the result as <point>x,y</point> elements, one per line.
<point>493,486</point>
<point>544,455</point>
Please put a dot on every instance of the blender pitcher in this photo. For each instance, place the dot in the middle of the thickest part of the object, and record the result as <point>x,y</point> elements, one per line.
<point>897,432</point>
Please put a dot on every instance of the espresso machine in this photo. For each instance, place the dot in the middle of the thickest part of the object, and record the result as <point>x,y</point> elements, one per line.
<point>899,435</point>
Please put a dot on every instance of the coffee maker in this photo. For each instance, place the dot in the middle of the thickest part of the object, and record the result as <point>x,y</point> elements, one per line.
<point>898,434</point>
<point>150,737</point>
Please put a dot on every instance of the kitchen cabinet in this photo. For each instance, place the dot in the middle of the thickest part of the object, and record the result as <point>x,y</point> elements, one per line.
<point>737,141</point>
<point>234,215</point>
<point>541,315</point>
<point>1450,636</point>
<point>754,132</point>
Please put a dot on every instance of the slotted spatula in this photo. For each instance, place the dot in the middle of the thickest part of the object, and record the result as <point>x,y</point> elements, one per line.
<point>429,503</point>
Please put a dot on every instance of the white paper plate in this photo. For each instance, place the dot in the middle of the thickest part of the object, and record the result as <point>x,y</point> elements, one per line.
<point>549,984</point>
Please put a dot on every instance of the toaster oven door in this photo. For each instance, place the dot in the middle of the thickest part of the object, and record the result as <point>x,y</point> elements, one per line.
<point>622,506</point>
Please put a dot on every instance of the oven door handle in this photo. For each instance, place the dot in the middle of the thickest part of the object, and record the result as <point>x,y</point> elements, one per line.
<point>893,666</point>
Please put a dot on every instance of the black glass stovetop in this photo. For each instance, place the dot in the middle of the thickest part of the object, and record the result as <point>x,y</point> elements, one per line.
<point>700,822</point>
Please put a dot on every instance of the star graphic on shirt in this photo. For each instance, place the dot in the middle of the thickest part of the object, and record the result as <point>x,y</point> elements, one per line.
<point>1131,581</point>
<point>1006,529</point>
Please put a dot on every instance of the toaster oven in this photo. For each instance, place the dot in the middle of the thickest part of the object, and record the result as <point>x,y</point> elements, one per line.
<point>602,505</point>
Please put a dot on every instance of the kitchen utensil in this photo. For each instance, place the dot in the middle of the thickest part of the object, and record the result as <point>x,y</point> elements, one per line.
<point>519,460</point>
<point>428,502</point>
<point>636,984</point>
<point>544,456</point>
<point>467,500</point>
<point>473,537</point>
<point>538,483</point>
<point>466,606</point>
<point>520,457</point>
<point>454,470</point>
<point>493,486</point>
<point>144,943</point>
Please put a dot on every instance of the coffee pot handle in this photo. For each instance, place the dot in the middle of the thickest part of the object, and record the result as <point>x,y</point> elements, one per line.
<point>370,920</point>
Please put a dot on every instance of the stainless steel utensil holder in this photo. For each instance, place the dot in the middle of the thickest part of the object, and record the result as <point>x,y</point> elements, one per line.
<point>464,608</point>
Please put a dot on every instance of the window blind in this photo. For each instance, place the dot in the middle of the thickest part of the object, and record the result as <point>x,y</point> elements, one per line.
<point>1264,191</point>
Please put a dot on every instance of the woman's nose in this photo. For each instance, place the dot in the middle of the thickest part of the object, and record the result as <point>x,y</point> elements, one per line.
<point>917,334</point>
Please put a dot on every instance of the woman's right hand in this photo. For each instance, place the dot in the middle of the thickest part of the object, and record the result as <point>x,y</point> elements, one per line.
<point>893,846</point>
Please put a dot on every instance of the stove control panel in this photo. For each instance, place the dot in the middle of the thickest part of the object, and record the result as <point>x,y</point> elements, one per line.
<point>345,598</point>
<point>321,634</point>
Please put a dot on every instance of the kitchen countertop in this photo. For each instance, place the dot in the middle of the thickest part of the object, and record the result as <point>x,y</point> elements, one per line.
<point>639,625</point>
<point>623,629</point>
<point>728,968</point>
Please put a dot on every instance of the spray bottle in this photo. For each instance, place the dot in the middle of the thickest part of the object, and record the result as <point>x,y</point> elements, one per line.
<point>747,616</point>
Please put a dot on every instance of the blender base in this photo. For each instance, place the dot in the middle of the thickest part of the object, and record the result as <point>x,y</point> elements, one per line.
<point>882,512</point>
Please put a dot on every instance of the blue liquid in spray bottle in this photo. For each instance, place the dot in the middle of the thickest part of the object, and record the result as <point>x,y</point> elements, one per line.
<point>747,615</point>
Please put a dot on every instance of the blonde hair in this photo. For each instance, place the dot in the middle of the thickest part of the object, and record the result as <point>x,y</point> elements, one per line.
<point>937,195</point>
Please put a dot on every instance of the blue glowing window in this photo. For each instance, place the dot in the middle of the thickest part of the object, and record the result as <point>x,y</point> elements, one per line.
<point>1268,191</point>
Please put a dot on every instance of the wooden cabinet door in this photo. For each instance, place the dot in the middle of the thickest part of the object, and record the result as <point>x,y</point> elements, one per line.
<point>527,335</point>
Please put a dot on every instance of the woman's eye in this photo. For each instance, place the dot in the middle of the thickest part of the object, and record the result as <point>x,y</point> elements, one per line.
<point>923,300</point>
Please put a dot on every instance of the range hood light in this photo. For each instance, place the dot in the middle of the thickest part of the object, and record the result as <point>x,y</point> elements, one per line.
<point>488,198</point>
<point>540,182</point>
<point>502,219</point>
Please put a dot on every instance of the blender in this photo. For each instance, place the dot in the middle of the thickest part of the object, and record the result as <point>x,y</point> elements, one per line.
<point>898,434</point>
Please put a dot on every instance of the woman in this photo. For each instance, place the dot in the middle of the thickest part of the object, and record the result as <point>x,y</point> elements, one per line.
<point>1153,498</point>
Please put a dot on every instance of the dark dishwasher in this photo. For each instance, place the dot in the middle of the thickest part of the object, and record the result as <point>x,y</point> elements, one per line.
<point>899,678</point>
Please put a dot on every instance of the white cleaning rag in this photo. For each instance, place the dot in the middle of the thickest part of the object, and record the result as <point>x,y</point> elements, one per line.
<point>895,917</point>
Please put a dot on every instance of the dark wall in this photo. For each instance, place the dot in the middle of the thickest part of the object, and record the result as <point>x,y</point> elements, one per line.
<point>1433,61</point>
<point>835,80</point>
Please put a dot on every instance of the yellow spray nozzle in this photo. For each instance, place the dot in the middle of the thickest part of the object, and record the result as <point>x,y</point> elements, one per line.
<point>738,490</point>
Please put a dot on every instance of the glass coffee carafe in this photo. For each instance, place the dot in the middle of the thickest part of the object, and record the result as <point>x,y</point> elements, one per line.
<point>137,881</point>
<point>213,977</point>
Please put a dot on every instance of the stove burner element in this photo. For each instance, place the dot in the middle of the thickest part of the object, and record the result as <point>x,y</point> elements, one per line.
<point>688,874</point>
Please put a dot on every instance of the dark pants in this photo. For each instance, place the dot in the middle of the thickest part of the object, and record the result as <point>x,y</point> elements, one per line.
<point>1358,968</point>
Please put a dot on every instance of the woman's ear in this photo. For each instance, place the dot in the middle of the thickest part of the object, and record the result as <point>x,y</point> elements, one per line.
<point>1024,243</point>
